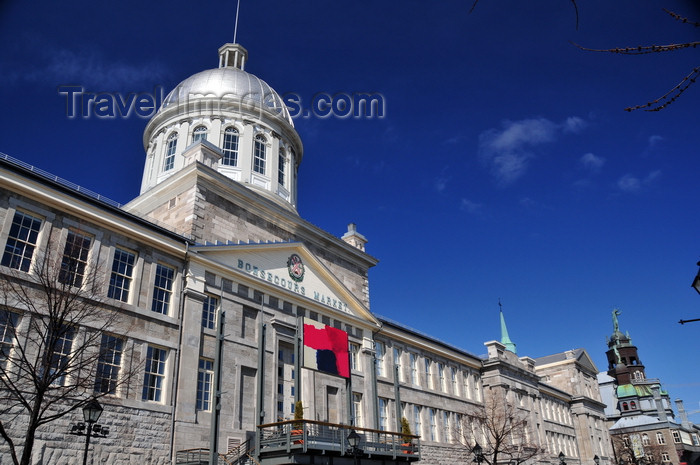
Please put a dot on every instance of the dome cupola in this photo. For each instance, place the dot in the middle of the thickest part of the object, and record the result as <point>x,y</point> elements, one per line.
<point>238,116</point>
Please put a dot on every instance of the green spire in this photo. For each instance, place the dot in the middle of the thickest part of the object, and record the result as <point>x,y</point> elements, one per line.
<point>505,339</point>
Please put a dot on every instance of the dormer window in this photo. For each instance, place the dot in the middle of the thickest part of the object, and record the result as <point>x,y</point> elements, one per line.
<point>169,162</point>
<point>633,405</point>
<point>230,148</point>
<point>259,154</point>
<point>625,406</point>
<point>199,133</point>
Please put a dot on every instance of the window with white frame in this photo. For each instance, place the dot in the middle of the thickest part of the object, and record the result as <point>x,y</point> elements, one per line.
<point>357,409</point>
<point>109,364</point>
<point>259,154</point>
<point>355,356</point>
<point>397,362</point>
<point>60,343</point>
<point>205,380</point>
<point>21,241</point>
<point>433,426</point>
<point>171,146</point>
<point>379,357</point>
<point>665,457</point>
<point>417,424</point>
<point>412,359</point>
<point>453,377</point>
<point>199,133</point>
<point>281,167</point>
<point>74,260</point>
<point>154,374</point>
<point>122,274</point>
<point>230,148</point>
<point>428,376</point>
<point>467,388</point>
<point>445,433</point>
<point>209,307</point>
<point>162,289</point>
<point>676,437</point>
<point>645,440</point>
<point>383,414</point>
<point>8,326</point>
<point>441,377</point>
<point>477,391</point>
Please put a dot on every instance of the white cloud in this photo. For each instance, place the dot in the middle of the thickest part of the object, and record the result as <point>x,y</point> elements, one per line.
<point>469,206</point>
<point>440,183</point>
<point>592,162</point>
<point>630,183</point>
<point>87,68</point>
<point>508,150</point>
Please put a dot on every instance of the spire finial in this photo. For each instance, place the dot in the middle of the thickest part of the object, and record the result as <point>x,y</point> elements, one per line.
<point>505,339</point>
<point>235,27</point>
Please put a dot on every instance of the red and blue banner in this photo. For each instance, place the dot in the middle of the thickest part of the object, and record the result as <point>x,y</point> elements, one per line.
<point>326,348</point>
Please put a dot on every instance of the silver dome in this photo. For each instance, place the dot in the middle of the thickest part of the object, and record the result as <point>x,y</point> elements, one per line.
<point>230,85</point>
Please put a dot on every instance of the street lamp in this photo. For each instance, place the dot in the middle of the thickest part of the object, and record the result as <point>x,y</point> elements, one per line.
<point>561,458</point>
<point>596,459</point>
<point>91,413</point>
<point>354,441</point>
<point>478,453</point>
<point>696,281</point>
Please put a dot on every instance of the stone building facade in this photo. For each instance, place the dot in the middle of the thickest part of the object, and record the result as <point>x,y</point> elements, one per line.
<point>211,270</point>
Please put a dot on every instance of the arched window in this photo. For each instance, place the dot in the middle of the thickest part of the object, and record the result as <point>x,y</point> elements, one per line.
<point>281,162</point>
<point>625,406</point>
<point>169,161</point>
<point>199,133</point>
<point>230,147</point>
<point>259,155</point>
<point>660,439</point>
<point>645,440</point>
<point>633,405</point>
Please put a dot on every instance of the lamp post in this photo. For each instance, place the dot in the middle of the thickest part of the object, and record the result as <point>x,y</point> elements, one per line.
<point>354,441</point>
<point>91,413</point>
<point>561,458</point>
<point>478,453</point>
<point>596,459</point>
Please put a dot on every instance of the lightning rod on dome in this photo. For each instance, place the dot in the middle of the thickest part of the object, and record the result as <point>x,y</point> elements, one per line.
<point>235,27</point>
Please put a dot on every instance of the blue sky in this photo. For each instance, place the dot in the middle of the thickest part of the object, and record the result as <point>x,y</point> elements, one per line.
<point>505,166</point>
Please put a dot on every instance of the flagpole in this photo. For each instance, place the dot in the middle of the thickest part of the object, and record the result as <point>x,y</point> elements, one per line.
<point>259,406</point>
<point>297,359</point>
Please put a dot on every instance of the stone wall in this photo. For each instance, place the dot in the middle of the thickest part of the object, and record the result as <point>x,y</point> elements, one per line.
<point>445,455</point>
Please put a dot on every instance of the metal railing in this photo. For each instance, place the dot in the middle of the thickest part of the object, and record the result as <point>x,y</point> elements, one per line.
<point>312,435</point>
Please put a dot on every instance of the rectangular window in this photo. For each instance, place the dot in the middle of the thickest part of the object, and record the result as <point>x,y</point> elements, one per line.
<point>355,356</point>
<point>441,377</point>
<point>162,289</point>
<point>428,377</point>
<point>8,325</point>
<point>417,425</point>
<point>357,408</point>
<point>397,362</point>
<point>280,168</point>
<point>383,414</point>
<point>676,437</point>
<point>453,377</point>
<point>665,457</point>
<point>230,148</point>
<point>445,433</point>
<point>205,380</point>
<point>74,261</point>
<point>60,355</point>
<point>413,362</point>
<point>433,425</point>
<point>467,388</point>
<point>259,154</point>
<point>379,357</point>
<point>155,374</point>
<point>109,364</point>
<point>21,241</point>
<point>209,312</point>
<point>122,274</point>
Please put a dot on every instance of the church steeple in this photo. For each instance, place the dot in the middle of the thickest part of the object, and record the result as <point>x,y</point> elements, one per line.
<point>505,339</point>
<point>623,362</point>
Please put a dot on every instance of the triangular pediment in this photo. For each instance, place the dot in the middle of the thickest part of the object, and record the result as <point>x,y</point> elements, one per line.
<point>585,361</point>
<point>291,268</point>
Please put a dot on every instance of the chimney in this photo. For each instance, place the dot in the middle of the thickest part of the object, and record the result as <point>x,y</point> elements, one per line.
<point>660,410</point>
<point>354,238</point>
<point>682,413</point>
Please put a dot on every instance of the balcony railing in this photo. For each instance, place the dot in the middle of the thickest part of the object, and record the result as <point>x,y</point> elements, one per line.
<point>308,436</point>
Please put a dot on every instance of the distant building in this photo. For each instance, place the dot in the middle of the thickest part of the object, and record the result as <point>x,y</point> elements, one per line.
<point>639,411</point>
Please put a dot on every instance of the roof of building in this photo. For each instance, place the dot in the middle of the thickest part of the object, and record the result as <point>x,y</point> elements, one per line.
<point>561,356</point>
<point>636,421</point>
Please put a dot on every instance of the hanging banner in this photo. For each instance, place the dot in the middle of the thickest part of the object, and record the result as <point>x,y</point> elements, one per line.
<point>326,348</point>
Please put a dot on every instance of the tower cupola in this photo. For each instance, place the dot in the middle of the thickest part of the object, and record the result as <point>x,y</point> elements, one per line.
<point>239,117</point>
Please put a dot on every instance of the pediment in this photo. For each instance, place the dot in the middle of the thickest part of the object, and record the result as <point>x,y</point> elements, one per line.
<point>291,268</point>
<point>585,361</point>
